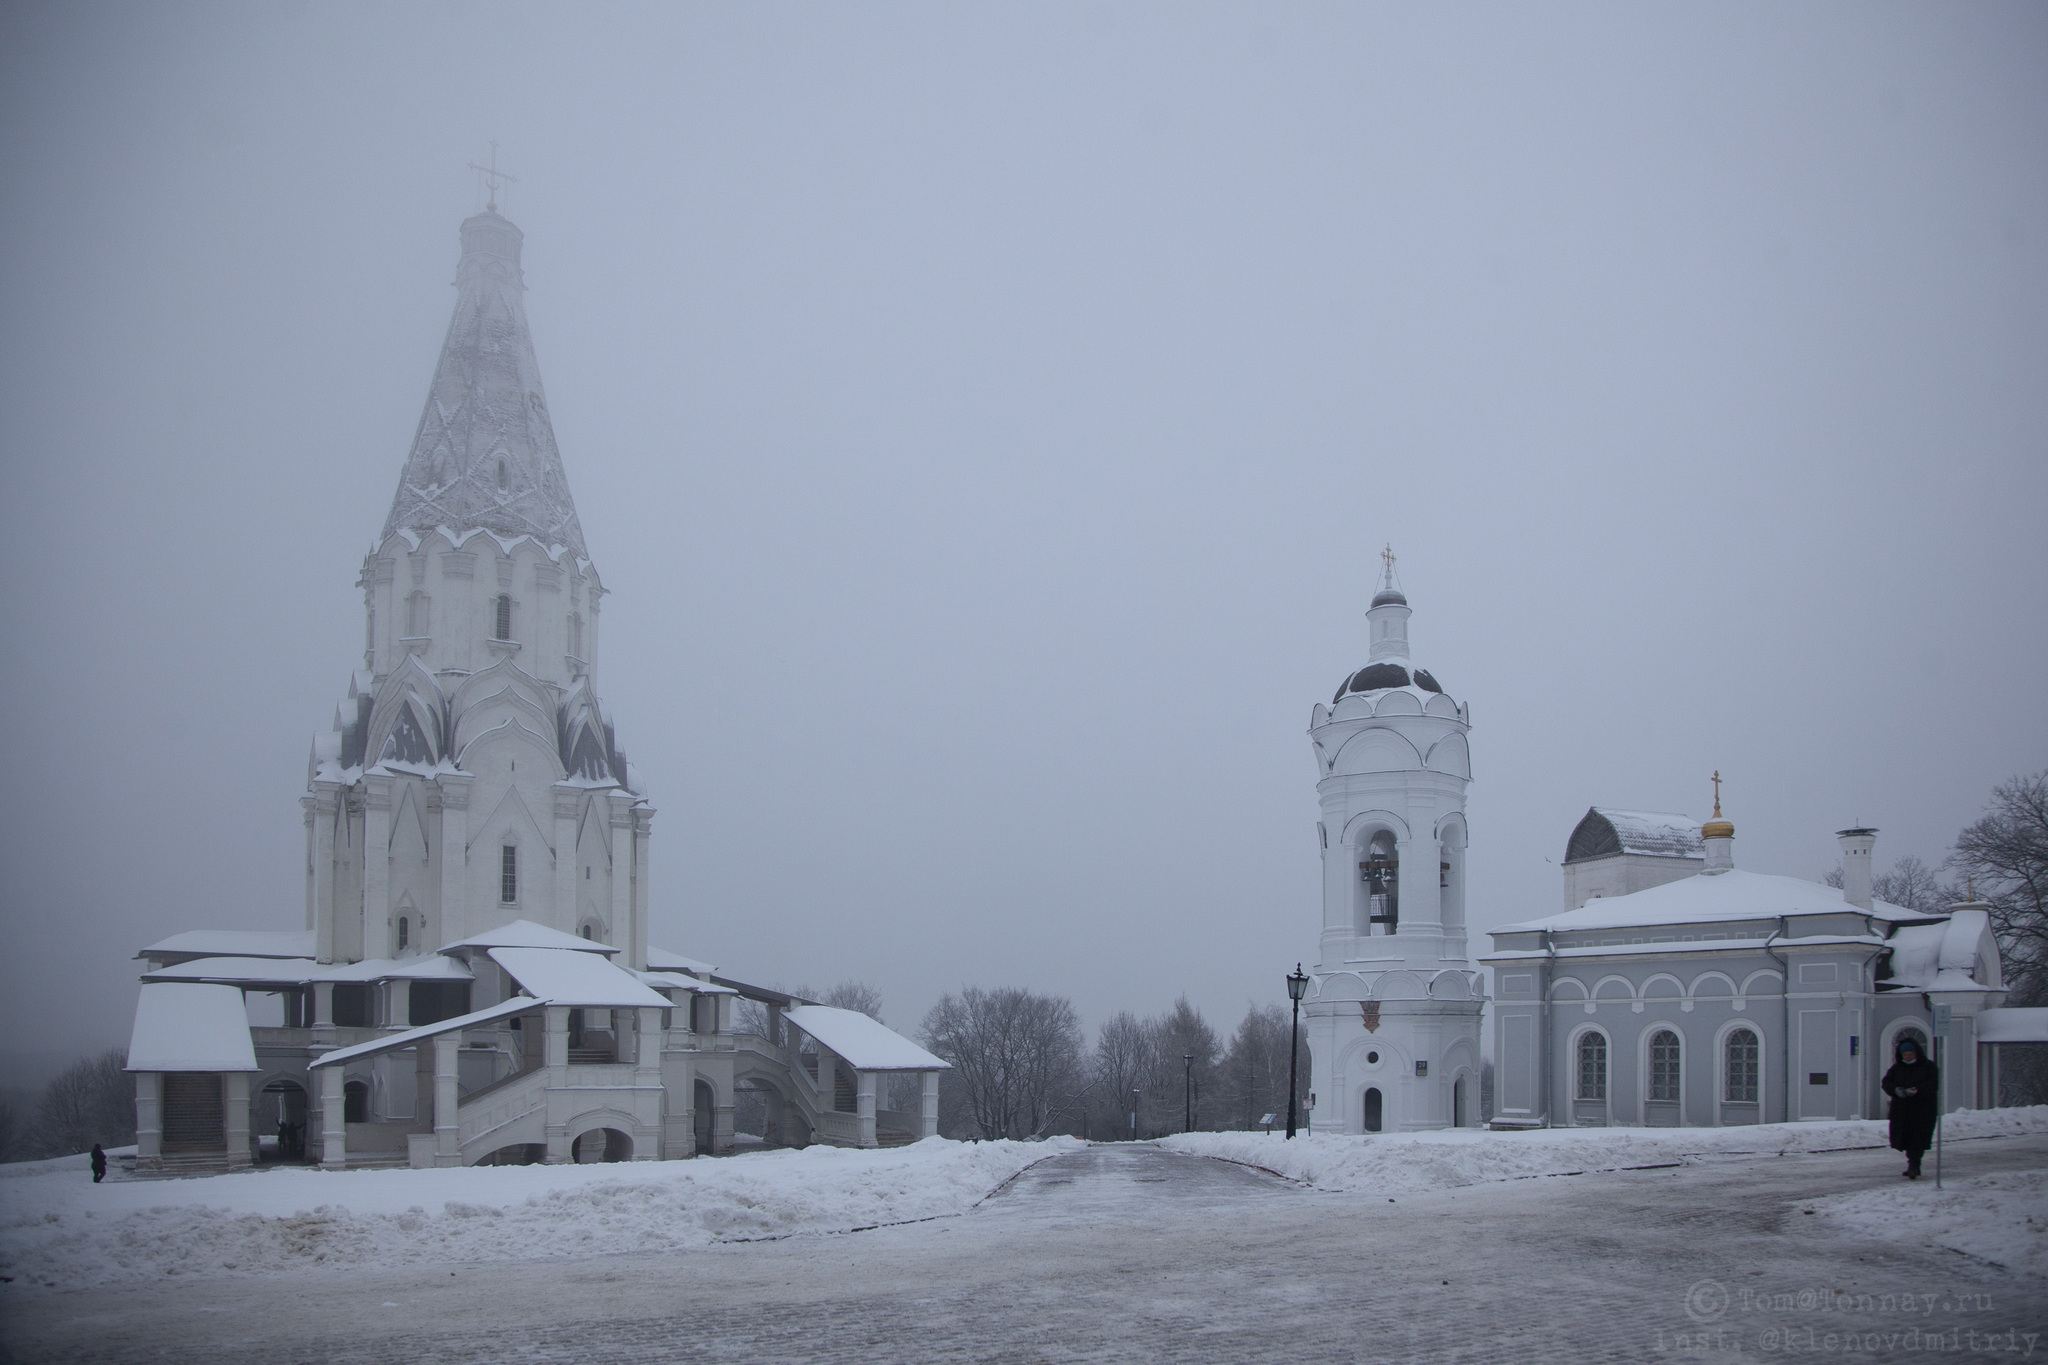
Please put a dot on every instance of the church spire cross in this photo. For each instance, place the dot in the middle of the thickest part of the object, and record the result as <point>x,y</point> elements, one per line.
<point>493,177</point>
<point>1717,793</point>
<point>1387,559</point>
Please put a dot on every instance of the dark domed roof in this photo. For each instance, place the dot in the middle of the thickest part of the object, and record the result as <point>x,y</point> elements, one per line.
<point>1389,597</point>
<point>1377,677</point>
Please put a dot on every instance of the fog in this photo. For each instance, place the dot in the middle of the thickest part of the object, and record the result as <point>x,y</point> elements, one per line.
<point>988,420</point>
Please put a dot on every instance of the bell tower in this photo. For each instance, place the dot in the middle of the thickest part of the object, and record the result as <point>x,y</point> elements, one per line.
<point>1394,1009</point>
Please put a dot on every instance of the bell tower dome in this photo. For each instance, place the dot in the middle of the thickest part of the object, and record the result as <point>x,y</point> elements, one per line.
<point>1392,979</point>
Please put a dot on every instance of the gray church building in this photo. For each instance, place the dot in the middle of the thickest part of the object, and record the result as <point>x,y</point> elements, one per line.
<point>1678,990</point>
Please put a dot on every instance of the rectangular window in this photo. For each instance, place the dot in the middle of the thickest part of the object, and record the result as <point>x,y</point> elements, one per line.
<point>504,621</point>
<point>508,874</point>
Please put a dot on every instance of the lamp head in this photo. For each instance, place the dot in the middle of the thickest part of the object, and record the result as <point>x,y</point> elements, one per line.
<point>1297,983</point>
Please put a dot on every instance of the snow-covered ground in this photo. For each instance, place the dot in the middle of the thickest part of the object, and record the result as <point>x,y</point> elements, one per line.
<point>2001,1218</point>
<point>1414,1162</point>
<point>60,1230</point>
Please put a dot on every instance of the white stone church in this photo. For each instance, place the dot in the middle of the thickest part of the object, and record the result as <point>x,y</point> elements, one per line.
<point>472,980</point>
<point>1675,990</point>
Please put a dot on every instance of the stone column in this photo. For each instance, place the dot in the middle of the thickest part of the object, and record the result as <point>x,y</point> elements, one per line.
<point>447,1094</point>
<point>647,1045</point>
<point>376,866</point>
<point>323,1004</point>
<point>322,807</point>
<point>149,1120</point>
<point>234,1103</point>
<point>864,1105</point>
<point>454,909</point>
<point>423,1086</point>
<point>619,910</point>
<point>555,1030</point>
<point>643,818</point>
<point>333,1120</point>
<point>398,1004</point>
<point>568,866</point>
<point>929,1124</point>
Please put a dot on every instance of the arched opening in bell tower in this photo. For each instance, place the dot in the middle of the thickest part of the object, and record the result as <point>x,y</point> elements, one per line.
<point>1379,885</point>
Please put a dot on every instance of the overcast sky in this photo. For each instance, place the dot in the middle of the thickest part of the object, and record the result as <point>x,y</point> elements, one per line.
<point>988,419</point>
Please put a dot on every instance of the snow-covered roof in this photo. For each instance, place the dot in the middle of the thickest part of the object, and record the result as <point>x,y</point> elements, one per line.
<point>679,981</point>
<point>524,933</point>
<point>1703,899</point>
<point>662,960</point>
<point>865,1044</point>
<point>1603,833</point>
<point>299,971</point>
<point>1958,954</point>
<point>2013,1026</point>
<point>234,943</point>
<point>569,978</point>
<point>185,1026</point>
<point>393,1041</point>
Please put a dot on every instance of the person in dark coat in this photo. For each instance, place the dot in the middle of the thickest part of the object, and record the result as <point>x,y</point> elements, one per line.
<point>99,1163</point>
<point>1914,1086</point>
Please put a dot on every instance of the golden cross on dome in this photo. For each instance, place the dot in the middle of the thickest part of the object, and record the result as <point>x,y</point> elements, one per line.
<point>1717,793</point>
<point>493,177</point>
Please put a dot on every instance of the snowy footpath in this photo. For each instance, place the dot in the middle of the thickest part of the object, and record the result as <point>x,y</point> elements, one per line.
<point>2000,1218</point>
<point>58,1230</point>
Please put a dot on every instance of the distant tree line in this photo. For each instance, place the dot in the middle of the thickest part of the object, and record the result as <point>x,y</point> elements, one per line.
<point>1022,1068</point>
<point>92,1100</point>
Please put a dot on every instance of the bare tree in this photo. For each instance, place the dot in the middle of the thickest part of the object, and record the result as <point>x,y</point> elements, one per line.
<point>857,996</point>
<point>2005,857</point>
<point>1252,1078</point>
<point>92,1100</point>
<point>1179,1085</point>
<point>1015,1054</point>
<point>1124,1051</point>
<point>1910,885</point>
<point>11,1135</point>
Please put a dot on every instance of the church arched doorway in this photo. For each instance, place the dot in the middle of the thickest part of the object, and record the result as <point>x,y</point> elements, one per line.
<point>1374,1109</point>
<point>1458,1103</point>
<point>601,1144</point>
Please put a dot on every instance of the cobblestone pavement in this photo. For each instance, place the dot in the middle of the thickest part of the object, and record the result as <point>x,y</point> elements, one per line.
<point>1123,1253</point>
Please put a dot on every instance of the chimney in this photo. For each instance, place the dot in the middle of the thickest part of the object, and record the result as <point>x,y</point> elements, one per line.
<point>1856,846</point>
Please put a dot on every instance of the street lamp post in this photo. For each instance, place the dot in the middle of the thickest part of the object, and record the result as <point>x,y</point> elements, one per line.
<point>1297,987</point>
<point>1187,1092</point>
<point>1134,1113</point>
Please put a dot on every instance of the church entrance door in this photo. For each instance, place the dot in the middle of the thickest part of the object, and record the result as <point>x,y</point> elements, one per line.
<point>1458,1103</point>
<point>1373,1106</point>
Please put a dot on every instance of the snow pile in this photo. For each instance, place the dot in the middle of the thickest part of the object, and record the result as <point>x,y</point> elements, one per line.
<point>59,1230</point>
<point>2001,1218</point>
<point>1396,1162</point>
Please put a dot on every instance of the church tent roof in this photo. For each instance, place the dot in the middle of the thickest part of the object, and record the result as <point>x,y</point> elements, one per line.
<point>865,1044</point>
<point>566,978</point>
<point>185,1026</point>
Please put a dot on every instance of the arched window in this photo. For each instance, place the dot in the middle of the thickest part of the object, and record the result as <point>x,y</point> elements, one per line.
<point>504,475</point>
<point>1374,1109</point>
<point>355,1102</point>
<point>508,874</point>
<point>504,618</point>
<point>1592,1067</point>
<point>404,933</point>
<point>1380,873</point>
<point>588,935</point>
<point>1739,1072</point>
<point>1663,1065</point>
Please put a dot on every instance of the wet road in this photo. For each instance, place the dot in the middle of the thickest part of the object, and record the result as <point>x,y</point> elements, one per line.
<point>1130,1253</point>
